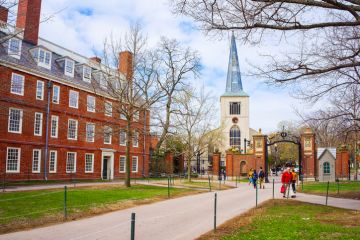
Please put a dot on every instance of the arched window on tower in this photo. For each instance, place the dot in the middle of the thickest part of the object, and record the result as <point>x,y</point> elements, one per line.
<point>235,137</point>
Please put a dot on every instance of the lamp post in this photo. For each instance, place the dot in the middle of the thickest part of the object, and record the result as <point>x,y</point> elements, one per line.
<point>246,143</point>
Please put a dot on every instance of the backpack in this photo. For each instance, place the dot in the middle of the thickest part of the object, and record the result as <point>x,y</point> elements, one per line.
<point>261,174</point>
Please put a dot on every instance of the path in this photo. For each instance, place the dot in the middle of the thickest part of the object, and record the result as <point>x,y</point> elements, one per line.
<point>181,218</point>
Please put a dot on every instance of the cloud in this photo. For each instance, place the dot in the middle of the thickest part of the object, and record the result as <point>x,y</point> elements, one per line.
<point>82,26</point>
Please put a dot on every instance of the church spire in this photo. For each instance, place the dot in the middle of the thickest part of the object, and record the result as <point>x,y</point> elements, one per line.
<point>233,82</point>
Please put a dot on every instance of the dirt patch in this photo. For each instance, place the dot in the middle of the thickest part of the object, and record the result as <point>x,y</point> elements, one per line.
<point>347,219</point>
<point>22,224</point>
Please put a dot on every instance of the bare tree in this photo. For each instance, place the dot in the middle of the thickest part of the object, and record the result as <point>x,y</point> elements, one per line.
<point>194,123</point>
<point>176,65</point>
<point>326,56</point>
<point>132,95</point>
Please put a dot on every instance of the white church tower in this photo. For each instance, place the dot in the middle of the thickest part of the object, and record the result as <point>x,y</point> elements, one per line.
<point>234,106</point>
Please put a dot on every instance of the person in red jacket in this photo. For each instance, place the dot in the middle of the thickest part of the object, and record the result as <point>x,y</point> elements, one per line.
<point>286,179</point>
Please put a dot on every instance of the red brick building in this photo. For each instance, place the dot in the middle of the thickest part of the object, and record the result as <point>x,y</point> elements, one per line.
<point>52,123</point>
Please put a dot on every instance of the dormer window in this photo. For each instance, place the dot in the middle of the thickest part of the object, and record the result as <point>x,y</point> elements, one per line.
<point>103,82</point>
<point>14,48</point>
<point>69,67</point>
<point>86,73</point>
<point>44,58</point>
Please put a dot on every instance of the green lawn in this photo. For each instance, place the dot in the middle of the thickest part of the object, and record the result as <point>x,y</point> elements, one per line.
<point>21,209</point>
<point>278,220</point>
<point>342,189</point>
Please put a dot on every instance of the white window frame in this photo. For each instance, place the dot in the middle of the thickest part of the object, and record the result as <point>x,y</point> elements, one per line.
<point>135,135</point>
<point>18,160</point>
<point>67,73</point>
<point>76,129</point>
<point>40,124</point>
<point>85,79</point>
<point>56,118</point>
<point>92,162</point>
<point>74,93</point>
<point>93,134</point>
<point>106,128</point>
<point>42,90</point>
<point>88,106</point>
<point>120,158</point>
<point>39,161</point>
<point>55,161</point>
<point>67,161</point>
<point>137,164</point>
<point>22,84</point>
<point>20,121</point>
<point>136,116</point>
<point>58,96</point>
<point>12,53</point>
<point>42,63</point>
<point>125,137</point>
<point>108,108</point>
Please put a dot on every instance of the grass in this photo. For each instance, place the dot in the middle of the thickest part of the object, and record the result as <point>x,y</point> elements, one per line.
<point>281,219</point>
<point>19,210</point>
<point>346,189</point>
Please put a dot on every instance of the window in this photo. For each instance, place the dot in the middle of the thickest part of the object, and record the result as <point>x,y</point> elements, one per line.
<point>122,164</point>
<point>15,120</point>
<point>90,132</point>
<point>54,126</point>
<point>136,116</point>
<point>39,90</point>
<point>56,94</point>
<point>73,99</point>
<point>235,137</point>
<point>122,116</point>
<point>38,124</point>
<point>90,103</point>
<point>136,139</point>
<point>72,129</point>
<point>53,161</point>
<point>13,160</point>
<point>87,74</point>
<point>326,167</point>
<point>134,164</point>
<point>17,84</point>
<point>235,108</point>
<point>36,161</point>
<point>107,135</point>
<point>122,137</point>
<point>71,162</point>
<point>103,83</point>
<point>44,58</point>
<point>69,67</point>
<point>14,49</point>
<point>89,163</point>
<point>108,109</point>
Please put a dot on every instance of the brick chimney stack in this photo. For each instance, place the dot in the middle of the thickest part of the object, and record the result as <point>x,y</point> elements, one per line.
<point>4,12</point>
<point>95,59</point>
<point>126,64</point>
<point>28,18</point>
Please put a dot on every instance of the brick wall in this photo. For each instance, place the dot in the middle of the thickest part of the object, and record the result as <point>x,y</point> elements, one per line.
<point>342,163</point>
<point>234,163</point>
<point>27,141</point>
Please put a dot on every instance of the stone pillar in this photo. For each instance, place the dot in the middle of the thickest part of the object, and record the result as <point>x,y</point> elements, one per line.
<point>342,163</point>
<point>308,154</point>
<point>216,164</point>
<point>259,142</point>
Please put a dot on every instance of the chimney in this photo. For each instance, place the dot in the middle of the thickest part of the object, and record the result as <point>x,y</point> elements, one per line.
<point>95,59</point>
<point>126,64</point>
<point>4,12</point>
<point>28,18</point>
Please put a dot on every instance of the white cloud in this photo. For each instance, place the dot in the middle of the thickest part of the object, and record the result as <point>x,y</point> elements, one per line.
<point>82,33</point>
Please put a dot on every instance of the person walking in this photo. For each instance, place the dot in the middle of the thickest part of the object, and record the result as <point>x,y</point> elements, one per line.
<point>250,176</point>
<point>255,178</point>
<point>224,174</point>
<point>293,180</point>
<point>261,178</point>
<point>285,180</point>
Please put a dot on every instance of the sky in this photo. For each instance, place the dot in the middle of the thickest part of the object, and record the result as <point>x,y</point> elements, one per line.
<point>82,26</point>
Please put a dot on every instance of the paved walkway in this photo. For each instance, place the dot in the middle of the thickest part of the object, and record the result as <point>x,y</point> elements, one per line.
<point>181,218</point>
